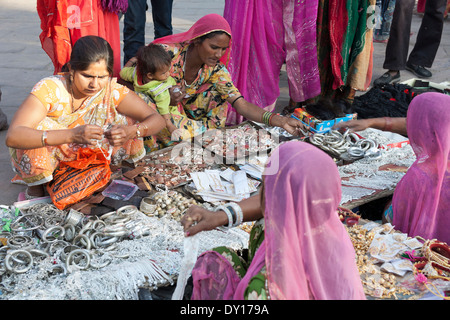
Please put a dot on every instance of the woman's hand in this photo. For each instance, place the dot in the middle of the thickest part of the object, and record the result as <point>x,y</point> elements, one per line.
<point>354,125</point>
<point>199,219</point>
<point>87,134</point>
<point>119,134</point>
<point>291,125</point>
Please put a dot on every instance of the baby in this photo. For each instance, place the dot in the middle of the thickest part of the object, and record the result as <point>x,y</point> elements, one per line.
<point>149,73</point>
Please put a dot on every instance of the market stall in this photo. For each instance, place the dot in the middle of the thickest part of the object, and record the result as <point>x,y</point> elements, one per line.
<point>136,241</point>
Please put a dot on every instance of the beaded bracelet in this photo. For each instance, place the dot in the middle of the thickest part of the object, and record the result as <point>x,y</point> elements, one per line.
<point>228,213</point>
<point>267,117</point>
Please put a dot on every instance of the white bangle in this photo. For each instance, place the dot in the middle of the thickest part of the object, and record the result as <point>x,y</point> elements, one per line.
<point>239,214</point>
<point>228,213</point>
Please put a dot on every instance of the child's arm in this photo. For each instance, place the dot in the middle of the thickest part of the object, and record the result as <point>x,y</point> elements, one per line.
<point>131,63</point>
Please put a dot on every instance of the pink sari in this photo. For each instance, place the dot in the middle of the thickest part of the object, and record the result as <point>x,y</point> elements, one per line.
<point>421,201</point>
<point>307,251</point>
<point>266,35</point>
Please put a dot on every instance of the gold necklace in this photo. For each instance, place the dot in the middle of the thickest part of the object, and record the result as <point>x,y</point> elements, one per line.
<point>73,100</point>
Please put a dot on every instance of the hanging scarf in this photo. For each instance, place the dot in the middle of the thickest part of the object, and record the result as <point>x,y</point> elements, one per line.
<point>115,6</point>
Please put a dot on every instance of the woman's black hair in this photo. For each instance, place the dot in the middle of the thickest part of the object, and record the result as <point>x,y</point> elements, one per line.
<point>211,35</point>
<point>151,58</point>
<point>91,49</point>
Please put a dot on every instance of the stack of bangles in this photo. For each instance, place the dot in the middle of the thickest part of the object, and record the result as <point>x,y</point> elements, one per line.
<point>233,212</point>
<point>267,117</point>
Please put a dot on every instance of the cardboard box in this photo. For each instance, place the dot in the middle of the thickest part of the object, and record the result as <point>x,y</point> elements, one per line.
<point>316,125</point>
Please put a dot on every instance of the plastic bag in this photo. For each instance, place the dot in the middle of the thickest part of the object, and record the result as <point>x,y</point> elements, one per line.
<point>191,246</point>
<point>78,179</point>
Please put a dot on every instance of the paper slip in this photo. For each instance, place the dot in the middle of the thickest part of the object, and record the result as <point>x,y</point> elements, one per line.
<point>200,180</point>
<point>227,174</point>
<point>240,182</point>
<point>214,180</point>
<point>253,170</point>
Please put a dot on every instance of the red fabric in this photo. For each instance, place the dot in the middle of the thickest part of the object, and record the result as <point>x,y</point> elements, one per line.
<point>338,25</point>
<point>57,38</point>
<point>95,21</point>
<point>206,24</point>
<point>421,6</point>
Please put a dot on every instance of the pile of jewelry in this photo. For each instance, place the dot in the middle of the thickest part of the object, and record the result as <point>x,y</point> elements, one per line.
<point>166,203</point>
<point>376,282</point>
<point>239,142</point>
<point>347,145</point>
<point>126,250</point>
<point>170,174</point>
<point>72,241</point>
<point>182,153</point>
<point>436,259</point>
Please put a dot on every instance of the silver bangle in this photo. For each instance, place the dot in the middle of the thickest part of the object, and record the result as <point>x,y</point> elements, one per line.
<point>84,240</point>
<point>127,210</point>
<point>15,268</point>
<point>54,232</point>
<point>228,213</point>
<point>78,253</point>
<point>239,214</point>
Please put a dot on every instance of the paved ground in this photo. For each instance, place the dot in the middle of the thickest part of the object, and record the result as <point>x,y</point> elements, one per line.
<point>23,62</point>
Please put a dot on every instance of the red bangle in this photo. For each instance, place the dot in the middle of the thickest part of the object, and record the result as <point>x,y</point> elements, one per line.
<point>270,119</point>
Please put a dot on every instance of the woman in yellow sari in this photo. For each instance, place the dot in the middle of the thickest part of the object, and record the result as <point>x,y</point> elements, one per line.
<point>83,107</point>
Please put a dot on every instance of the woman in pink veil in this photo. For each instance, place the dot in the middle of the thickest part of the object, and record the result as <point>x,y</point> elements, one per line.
<point>421,201</point>
<point>266,35</point>
<point>306,252</point>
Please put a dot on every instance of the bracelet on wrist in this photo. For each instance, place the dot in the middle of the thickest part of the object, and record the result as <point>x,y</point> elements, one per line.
<point>44,139</point>
<point>228,213</point>
<point>140,130</point>
<point>238,213</point>
<point>267,118</point>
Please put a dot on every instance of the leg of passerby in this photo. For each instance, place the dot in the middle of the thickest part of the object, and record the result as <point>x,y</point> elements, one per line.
<point>428,39</point>
<point>398,43</point>
<point>134,28</point>
<point>162,17</point>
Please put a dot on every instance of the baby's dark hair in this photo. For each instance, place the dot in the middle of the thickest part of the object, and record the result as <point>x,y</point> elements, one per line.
<point>151,58</point>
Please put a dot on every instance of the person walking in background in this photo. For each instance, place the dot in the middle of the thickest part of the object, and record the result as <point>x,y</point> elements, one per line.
<point>134,24</point>
<point>427,43</point>
<point>64,22</point>
<point>386,12</point>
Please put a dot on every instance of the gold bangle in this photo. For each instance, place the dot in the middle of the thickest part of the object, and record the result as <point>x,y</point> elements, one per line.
<point>44,138</point>
<point>140,133</point>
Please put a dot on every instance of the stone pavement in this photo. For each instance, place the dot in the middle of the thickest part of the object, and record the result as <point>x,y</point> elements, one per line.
<point>23,62</point>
